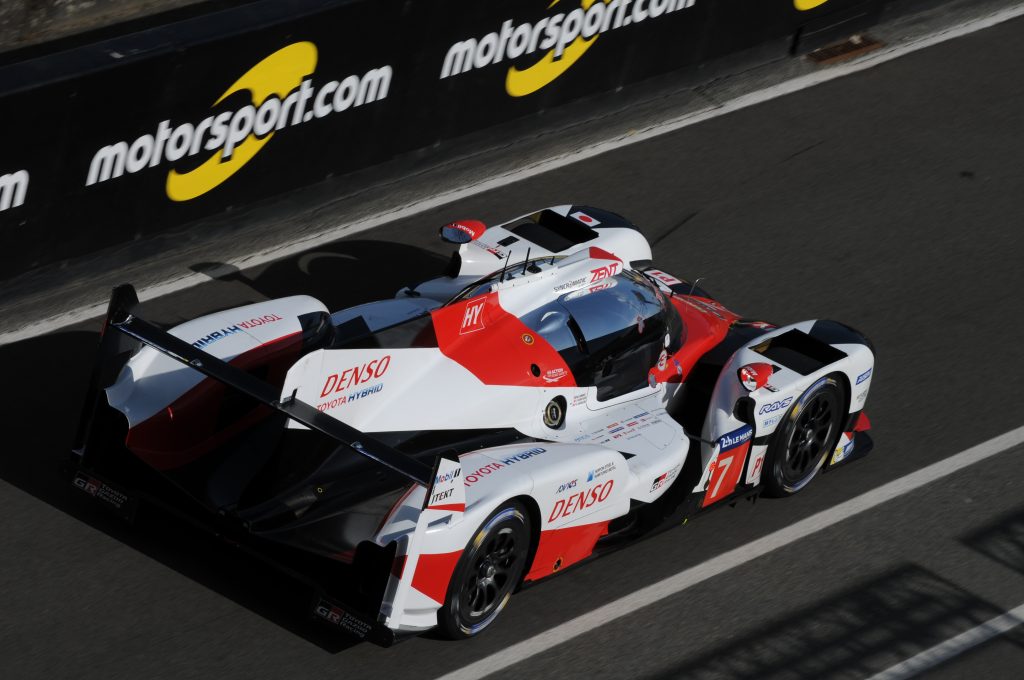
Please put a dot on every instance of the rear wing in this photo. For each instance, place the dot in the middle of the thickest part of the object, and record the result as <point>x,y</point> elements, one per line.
<point>126,325</point>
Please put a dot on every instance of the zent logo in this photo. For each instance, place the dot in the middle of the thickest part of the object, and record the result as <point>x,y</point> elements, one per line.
<point>774,406</point>
<point>473,320</point>
<point>605,272</point>
<point>864,376</point>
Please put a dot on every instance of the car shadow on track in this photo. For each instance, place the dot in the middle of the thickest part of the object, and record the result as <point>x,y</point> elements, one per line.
<point>341,275</point>
<point>871,626</point>
<point>47,378</point>
<point>1002,540</point>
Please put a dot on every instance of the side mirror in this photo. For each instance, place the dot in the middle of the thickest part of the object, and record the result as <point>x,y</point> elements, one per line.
<point>755,376</point>
<point>463,231</point>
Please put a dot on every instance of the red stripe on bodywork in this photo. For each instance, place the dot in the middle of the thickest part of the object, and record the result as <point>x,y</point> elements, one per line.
<point>726,475</point>
<point>496,346</point>
<point>433,573</point>
<point>862,423</point>
<point>602,254</point>
<point>705,324</point>
<point>456,507</point>
<point>210,413</point>
<point>558,548</point>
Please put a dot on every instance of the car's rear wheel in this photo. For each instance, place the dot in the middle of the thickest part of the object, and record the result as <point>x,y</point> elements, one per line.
<point>804,438</point>
<point>489,570</point>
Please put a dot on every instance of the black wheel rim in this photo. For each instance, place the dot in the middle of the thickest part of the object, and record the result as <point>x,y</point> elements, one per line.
<point>492,576</point>
<point>810,438</point>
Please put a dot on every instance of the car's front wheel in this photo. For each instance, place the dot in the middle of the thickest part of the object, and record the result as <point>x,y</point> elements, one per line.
<point>806,435</point>
<point>488,571</point>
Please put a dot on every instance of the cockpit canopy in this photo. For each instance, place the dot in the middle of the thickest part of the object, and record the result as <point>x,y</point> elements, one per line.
<point>612,333</point>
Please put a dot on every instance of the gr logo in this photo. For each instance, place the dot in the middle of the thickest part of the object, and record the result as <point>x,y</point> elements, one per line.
<point>281,92</point>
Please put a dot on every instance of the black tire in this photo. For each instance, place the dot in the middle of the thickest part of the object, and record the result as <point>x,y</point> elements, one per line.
<point>489,570</point>
<point>805,437</point>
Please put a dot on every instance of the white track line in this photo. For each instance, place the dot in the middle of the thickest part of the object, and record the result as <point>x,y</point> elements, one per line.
<point>870,60</point>
<point>717,566</point>
<point>955,646</point>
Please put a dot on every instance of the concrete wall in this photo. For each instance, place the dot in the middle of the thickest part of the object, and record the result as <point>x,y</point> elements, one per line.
<point>27,22</point>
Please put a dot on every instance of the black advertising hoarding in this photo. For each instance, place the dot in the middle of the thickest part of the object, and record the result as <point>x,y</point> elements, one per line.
<point>120,140</point>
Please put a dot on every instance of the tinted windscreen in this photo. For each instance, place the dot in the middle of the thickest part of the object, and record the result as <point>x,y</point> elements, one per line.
<point>609,337</point>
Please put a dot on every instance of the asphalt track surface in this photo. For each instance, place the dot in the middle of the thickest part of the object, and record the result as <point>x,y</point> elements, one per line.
<point>890,199</point>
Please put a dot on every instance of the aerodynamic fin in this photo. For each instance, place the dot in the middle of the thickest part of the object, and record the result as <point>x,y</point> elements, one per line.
<point>122,318</point>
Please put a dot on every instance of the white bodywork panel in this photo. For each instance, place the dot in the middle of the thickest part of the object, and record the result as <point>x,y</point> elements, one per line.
<point>150,381</point>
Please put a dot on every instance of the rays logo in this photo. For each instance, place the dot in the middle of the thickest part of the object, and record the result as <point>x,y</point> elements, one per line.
<point>562,39</point>
<point>281,94</point>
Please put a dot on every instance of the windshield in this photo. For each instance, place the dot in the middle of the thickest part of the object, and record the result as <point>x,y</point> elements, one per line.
<point>610,334</point>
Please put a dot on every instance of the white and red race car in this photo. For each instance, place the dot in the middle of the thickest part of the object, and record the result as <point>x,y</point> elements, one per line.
<point>418,459</point>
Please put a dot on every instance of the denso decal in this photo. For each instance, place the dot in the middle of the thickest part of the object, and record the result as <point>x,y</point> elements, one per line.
<point>864,376</point>
<point>480,473</point>
<point>566,507</point>
<point>357,375</point>
<point>774,406</point>
<point>605,272</point>
<point>473,319</point>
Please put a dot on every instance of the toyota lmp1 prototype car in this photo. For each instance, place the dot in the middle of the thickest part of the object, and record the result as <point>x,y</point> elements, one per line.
<point>550,397</point>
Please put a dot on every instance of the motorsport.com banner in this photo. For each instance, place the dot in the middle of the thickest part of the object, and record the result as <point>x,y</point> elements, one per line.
<point>129,138</point>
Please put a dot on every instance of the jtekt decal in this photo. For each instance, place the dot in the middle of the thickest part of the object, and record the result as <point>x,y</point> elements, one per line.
<point>282,95</point>
<point>564,37</point>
